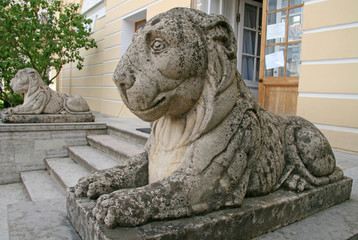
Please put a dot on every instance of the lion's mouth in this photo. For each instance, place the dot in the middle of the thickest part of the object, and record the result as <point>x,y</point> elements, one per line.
<point>157,104</point>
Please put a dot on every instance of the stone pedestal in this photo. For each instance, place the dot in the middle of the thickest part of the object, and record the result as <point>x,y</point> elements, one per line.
<point>256,216</point>
<point>47,118</point>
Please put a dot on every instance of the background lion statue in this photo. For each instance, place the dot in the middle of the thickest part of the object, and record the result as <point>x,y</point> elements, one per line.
<point>211,144</point>
<point>40,99</point>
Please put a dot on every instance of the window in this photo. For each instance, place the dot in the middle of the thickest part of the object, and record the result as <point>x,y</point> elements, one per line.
<point>130,24</point>
<point>283,38</point>
<point>139,24</point>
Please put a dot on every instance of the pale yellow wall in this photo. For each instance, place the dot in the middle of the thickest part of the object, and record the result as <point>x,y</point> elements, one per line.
<point>94,81</point>
<point>328,86</point>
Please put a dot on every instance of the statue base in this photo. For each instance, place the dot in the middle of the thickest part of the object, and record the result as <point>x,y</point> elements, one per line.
<point>47,118</point>
<point>255,217</point>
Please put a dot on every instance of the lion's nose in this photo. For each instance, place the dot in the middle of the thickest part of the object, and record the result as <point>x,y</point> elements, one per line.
<point>124,76</point>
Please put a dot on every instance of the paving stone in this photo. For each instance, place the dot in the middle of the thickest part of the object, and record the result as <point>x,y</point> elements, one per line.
<point>41,220</point>
<point>9,193</point>
<point>41,186</point>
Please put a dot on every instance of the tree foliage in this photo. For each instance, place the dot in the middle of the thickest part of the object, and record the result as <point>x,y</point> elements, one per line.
<point>39,34</point>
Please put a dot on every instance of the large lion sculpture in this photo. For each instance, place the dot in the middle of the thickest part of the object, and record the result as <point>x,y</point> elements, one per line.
<point>211,144</point>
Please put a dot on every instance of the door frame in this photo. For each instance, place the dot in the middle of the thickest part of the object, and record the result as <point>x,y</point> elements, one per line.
<point>285,82</point>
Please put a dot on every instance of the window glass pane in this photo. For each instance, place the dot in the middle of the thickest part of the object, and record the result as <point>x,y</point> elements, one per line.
<point>258,45</point>
<point>295,2</point>
<point>295,24</point>
<point>276,27</point>
<point>274,61</point>
<point>293,60</point>
<point>276,5</point>
<point>249,42</point>
<point>250,16</point>
<point>247,69</point>
<point>257,69</point>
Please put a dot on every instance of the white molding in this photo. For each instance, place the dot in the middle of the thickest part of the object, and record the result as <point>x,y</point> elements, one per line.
<point>112,60</point>
<point>331,28</point>
<point>309,2</point>
<point>111,47</point>
<point>331,61</point>
<point>329,95</point>
<point>79,77</point>
<point>336,128</point>
<point>104,99</point>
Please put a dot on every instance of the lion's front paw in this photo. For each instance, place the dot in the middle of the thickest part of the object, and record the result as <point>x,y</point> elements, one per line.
<point>296,183</point>
<point>120,209</point>
<point>8,111</point>
<point>93,186</point>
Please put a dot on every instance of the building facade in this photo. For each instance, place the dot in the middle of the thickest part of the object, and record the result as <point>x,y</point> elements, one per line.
<point>296,56</point>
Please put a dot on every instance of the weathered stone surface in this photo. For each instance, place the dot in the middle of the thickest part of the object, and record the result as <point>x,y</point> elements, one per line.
<point>42,104</point>
<point>23,147</point>
<point>211,144</point>
<point>47,118</point>
<point>255,217</point>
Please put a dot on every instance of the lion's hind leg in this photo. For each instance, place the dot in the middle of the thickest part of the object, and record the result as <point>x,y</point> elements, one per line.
<point>309,158</point>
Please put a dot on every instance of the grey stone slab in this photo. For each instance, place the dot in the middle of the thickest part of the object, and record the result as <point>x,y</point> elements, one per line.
<point>66,171</point>
<point>41,186</point>
<point>255,217</point>
<point>40,220</point>
<point>90,158</point>
<point>9,193</point>
<point>115,147</point>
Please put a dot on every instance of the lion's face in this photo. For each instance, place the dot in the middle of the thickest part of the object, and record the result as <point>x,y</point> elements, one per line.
<point>162,72</point>
<point>20,83</point>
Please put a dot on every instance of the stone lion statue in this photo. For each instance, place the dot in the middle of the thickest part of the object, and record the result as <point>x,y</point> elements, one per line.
<point>40,99</point>
<point>211,144</point>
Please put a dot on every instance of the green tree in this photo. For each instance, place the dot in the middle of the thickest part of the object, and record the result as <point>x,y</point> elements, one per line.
<point>41,34</point>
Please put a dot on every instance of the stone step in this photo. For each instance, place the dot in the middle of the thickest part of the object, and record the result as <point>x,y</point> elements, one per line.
<point>40,220</point>
<point>41,186</point>
<point>92,159</point>
<point>129,133</point>
<point>65,171</point>
<point>116,148</point>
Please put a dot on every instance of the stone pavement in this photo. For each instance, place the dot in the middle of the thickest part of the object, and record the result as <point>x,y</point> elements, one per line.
<point>27,221</point>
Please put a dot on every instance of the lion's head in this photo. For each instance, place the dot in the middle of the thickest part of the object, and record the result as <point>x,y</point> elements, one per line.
<point>172,60</point>
<point>25,79</point>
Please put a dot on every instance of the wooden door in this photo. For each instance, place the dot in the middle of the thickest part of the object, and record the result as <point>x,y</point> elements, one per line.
<point>280,55</point>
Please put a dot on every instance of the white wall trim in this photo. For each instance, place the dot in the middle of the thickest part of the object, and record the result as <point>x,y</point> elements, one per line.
<point>112,60</point>
<point>329,95</point>
<point>337,128</point>
<point>331,28</point>
<point>331,61</point>
<point>104,99</point>
<point>112,34</point>
<point>117,6</point>
<point>111,47</point>
<point>309,2</point>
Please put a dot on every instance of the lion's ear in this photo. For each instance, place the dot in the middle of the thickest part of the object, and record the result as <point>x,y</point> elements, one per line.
<point>221,52</point>
<point>220,31</point>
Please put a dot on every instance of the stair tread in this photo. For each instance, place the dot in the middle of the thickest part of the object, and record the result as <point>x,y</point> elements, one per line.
<point>41,186</point>
<point>118,145</point>
<point>69,171</point>
<point>97,160</point>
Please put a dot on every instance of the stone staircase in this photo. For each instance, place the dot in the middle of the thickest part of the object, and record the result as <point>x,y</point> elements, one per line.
<point>38,207</point>
<point>103,151</point>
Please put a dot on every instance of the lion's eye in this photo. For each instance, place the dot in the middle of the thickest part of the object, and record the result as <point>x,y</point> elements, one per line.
<point>158,45</point>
